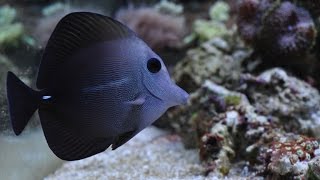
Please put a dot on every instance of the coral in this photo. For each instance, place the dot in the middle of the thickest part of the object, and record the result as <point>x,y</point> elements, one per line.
<point>314,168</point>
<point>10,30</point>
<point>216,149</point>
<point>223,132</point>
<point>204,103</point>
<point>167,7</point>
<point>211,60</point>
<point>250,13</point>
<point>289,31</point>
<point>299,147</point>
<point>276,93</point>
<point>157,29</point>
<point>220,130</point>
<point>228,126</point>
<point>281,32</point>
<point>204,30</point>
<point>219,11</point>
<point>293,156</point>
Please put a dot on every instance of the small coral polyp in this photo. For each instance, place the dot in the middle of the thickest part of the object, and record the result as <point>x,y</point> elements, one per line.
<point>293,156</point>
<point>301,148</point>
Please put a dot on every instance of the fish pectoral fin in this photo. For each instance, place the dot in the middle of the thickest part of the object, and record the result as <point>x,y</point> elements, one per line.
<point>68,144</point>
<point>138,101</point>
<point>123,138</point>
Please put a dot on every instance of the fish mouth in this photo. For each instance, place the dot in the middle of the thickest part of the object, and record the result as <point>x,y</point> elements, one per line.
<point>180,97</point>
<point>176,96</point>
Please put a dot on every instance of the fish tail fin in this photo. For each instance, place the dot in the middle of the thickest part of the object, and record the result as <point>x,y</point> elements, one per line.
<point>22,101</point>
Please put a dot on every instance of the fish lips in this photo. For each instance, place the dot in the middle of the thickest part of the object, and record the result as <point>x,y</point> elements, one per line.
<point>179,96</point>
<point>175,96</point>
<point>166,91</point>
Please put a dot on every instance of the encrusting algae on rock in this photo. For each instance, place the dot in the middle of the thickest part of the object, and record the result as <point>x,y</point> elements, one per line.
<point>10,30</point>
<point>219,60</point>
<point>284,97</point>
<point>204,30</point>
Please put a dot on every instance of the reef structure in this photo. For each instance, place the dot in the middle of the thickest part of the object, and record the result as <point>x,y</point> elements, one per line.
<point>268,117</point>
<point>276,93</point>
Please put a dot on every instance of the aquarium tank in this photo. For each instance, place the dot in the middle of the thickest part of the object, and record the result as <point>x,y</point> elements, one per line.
<point>159,89</point>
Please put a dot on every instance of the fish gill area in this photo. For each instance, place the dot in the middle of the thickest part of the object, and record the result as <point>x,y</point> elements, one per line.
<point>251,68</point>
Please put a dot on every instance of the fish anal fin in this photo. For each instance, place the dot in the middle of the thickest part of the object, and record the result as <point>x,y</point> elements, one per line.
<point>123,138</point>
<point>67,144</point>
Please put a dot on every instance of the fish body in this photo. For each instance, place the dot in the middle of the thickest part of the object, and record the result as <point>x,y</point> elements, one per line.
<point>99,85</point>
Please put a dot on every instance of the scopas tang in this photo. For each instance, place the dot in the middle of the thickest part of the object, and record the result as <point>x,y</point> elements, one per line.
<point>99,85</point>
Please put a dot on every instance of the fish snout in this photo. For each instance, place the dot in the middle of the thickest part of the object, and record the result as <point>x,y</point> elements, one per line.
<point>179,96</point>
<point>184,97</point>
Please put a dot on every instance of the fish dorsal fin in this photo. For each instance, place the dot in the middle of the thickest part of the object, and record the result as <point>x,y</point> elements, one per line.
<point>74,31</point>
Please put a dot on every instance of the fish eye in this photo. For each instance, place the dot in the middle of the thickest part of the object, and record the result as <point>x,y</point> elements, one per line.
<point>154,65</point>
